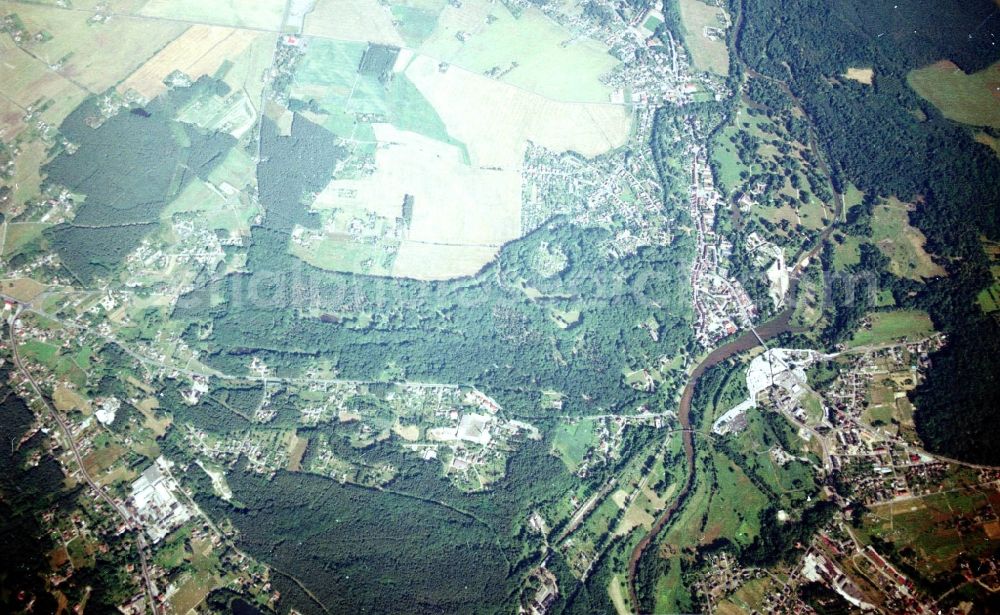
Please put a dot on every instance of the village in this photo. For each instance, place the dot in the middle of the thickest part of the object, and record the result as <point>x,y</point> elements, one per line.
<point>862,430</point>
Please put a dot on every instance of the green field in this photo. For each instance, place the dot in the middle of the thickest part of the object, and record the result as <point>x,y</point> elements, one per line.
<point>732,512</point>
<point>329,76</point>
<point>571,442</point>
<point>939,529</point>
<point>846,253</point>
<point>334,254</point>
<point>415,23</point>
<point>970,99</point>
<point>892,326</point>
<point>40,351</point>
<point>21,234</point>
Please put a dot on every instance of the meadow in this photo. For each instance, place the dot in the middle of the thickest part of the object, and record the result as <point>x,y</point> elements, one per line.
<point>967,98</point>
<point>902,243</point>
<point>892,326</point>
<point>706,54</point>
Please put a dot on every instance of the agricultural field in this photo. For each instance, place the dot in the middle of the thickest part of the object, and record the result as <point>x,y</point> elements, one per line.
<point>94,56</point>
<point>353,20</point>
<point>894,325</point>
<point>969,99</point>
<point>530,51</point>
<point>263,14</point>
<point>199,51</point>
<point>421,129</point>
<point>461,98</point>
<point>26,82</point>
<point>708,51</point>
<point>935,531</point>
<point>19,234</point>
<point>902,243</point>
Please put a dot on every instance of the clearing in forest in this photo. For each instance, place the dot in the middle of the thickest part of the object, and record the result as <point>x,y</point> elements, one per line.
<point>861,75</point>
<point>902,243</point>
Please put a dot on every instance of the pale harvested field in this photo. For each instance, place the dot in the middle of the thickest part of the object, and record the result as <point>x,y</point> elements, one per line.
<point>25,80</point>
<point>453,203</point>
<point>464,100</point>
<point>861,75</point>
<point>352,20</point>
<point>102,54</point>
<point>435,262</point>
<point>461,214</point>
<point>199,51</point>
<point>264,14</point>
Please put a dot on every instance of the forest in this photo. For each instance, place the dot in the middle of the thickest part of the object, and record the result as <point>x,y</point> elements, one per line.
<point>482,331</point>
<point>888,141</point>
<point>126,170</point>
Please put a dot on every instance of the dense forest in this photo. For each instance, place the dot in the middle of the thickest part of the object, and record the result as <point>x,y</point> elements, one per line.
<point>459,552</point>
<point>484,331</point>
<point>888,141</point>
<point>127,169</point>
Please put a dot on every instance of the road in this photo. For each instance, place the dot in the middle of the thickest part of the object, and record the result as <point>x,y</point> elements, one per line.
<point>126,518</point>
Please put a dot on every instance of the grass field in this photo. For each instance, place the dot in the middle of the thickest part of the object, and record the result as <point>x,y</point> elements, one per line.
<point>706,54</point>
<point>343,254</point>
<point>265,14</point>
<point>415,22</point>
<point>846,253</point>
<point>902,243</point>
<point>545,64</point>
<point>992,142</point>
<point>571,442</point>
<point>891,326</point>
<point>216,211</point>
<point>40,352</point>
<point>329,74</point>
<point>971,99</point>
<point>20,234</point>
